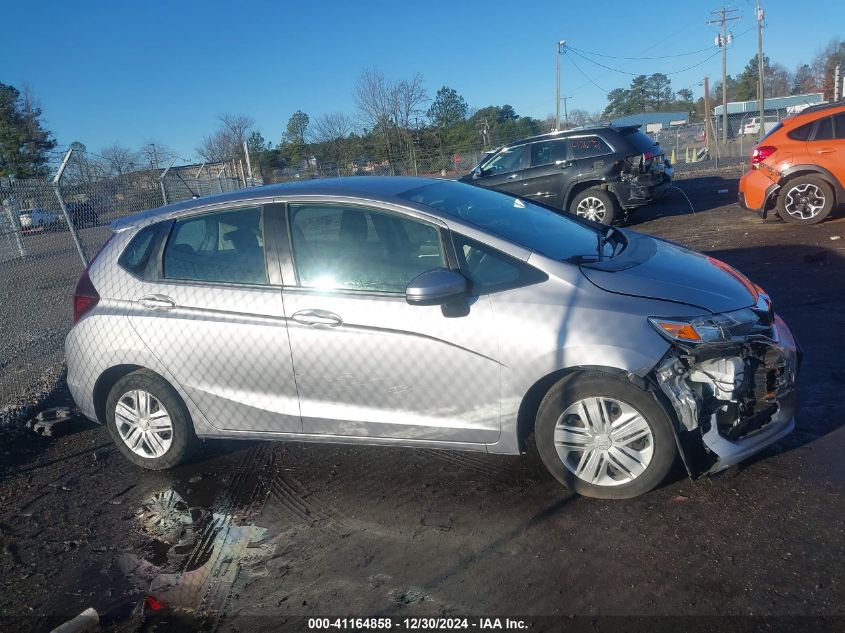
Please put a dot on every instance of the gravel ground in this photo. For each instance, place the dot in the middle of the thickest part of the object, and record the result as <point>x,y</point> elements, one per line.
<point>250,536</point>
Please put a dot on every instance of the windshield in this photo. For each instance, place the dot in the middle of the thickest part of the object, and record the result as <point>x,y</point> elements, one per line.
<point>514,219</point>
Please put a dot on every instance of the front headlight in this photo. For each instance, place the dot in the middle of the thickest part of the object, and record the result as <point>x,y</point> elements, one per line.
<point>717,328</point>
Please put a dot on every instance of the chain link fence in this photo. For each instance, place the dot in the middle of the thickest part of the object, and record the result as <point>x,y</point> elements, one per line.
<point>49,230</point>
<point>691,143</point>
<point>452,165</point>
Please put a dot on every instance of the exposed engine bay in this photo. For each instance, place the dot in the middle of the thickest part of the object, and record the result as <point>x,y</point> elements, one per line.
<point>730,398</point>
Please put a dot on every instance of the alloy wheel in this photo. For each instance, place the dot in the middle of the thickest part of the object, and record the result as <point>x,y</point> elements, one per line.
<point>143,424</point>
<point>604,441</point>
<point>591,208</point>
<point>804,201</point>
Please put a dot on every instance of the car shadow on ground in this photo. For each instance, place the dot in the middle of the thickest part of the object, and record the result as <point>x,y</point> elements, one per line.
<point>687,197</point>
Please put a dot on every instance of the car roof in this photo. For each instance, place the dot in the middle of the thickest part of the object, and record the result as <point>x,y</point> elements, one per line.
<point>575,131</point>
<point>820,108</point>
<point>378,188</point>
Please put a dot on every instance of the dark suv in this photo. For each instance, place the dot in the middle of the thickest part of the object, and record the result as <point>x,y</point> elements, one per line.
<point>593,172</point>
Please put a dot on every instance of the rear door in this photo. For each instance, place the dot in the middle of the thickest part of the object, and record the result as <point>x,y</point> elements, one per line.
<point>549,171</point>
<point>214,317</point>
<point>503,171</point>
<point>591,156</point>
<point>826,144</point>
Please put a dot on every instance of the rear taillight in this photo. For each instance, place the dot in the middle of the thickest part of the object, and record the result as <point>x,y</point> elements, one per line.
<point>85,297</point>
<point>759,154</point>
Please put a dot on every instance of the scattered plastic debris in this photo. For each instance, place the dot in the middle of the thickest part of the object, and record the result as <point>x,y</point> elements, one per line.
<point>88,620</point>
<point>51,422</point>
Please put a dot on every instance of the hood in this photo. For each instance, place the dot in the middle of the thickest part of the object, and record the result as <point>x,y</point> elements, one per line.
<point>656,269</point>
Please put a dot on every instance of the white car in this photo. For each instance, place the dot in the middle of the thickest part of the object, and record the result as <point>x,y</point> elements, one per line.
<point>753,126</point>
<point>31,219</point>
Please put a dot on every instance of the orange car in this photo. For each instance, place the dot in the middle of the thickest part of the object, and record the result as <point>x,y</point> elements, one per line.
<point>798,169</point>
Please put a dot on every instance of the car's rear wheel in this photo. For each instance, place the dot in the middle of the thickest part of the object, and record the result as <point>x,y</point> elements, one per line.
<point>805,200</point>
<point>604,437</point>
<point>149,422</point>
<point>595,204</point>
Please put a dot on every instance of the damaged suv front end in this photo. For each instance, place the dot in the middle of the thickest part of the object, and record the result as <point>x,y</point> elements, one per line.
<point>730,379</point>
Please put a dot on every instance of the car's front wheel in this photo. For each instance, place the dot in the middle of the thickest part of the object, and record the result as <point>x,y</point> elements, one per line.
<point>148,421</point>
<point>805,200</point>
<point>595,204</point>
<point>604,437</point>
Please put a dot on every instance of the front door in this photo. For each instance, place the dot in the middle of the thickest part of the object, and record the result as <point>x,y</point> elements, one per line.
<point>503,172</point>
<point>367,363</point>
<point>217,324</point>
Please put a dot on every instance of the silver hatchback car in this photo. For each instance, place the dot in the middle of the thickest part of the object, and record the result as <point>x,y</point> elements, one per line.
<point>426,313</point>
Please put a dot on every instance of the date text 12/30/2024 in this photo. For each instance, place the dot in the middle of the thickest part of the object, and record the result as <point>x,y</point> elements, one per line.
<point>417,624</point>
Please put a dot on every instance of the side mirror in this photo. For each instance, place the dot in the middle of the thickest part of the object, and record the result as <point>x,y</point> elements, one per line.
<point>476,173</point>
<point>436,287</point>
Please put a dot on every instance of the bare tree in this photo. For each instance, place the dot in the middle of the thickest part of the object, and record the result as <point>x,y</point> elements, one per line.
<point>227,142</point>
<point>332,129</point>
<point>391,109</point>
<point>156,155</point>
<point>371,95</point>
<point>406,98</point>
<point>118,159</point>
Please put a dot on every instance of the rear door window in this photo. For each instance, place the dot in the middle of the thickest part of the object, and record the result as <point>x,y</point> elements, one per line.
<point>548,152</point>
<point>226,246</point>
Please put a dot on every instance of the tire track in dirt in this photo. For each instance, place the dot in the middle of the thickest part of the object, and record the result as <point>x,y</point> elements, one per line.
<point>468,461</point>
<point>295,499</point>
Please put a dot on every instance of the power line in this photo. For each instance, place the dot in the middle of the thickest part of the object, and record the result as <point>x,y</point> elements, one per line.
<point>585,74</point>
<point>626,72</point>
<point>700,50</point>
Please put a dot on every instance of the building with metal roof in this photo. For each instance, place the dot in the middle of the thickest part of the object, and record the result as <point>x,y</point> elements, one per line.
<point>772,104</point>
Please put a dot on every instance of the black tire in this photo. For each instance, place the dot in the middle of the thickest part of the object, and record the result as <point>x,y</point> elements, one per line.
<point>183,440</point>
<point>570,390</point>
<point>789,208</point>
<point>611,205</point>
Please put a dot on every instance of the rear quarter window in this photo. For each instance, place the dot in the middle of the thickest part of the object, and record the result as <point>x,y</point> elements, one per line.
<point>587,147</point>
<point>640,141</point>
<point>136,256</point>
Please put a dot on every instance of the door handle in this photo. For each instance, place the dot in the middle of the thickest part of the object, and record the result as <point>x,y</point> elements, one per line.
<point>826,150</point>
<point>513,176</point>
<point>317,317</point>
<point>157,302</point>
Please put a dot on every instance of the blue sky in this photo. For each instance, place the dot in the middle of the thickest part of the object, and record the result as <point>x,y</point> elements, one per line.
<point>130,72</point>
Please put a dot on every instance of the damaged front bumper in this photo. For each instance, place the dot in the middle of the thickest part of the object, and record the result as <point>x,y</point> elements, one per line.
<point>731,399</point>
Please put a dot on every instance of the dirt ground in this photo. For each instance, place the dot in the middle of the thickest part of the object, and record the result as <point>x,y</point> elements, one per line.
<point>252,536</point>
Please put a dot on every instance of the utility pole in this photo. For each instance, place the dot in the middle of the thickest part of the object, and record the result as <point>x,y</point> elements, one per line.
<point>724,16</point>
<point>565,113</point>
<point>707,119</point>
<point>561,45</point>
<point>760,68</point>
